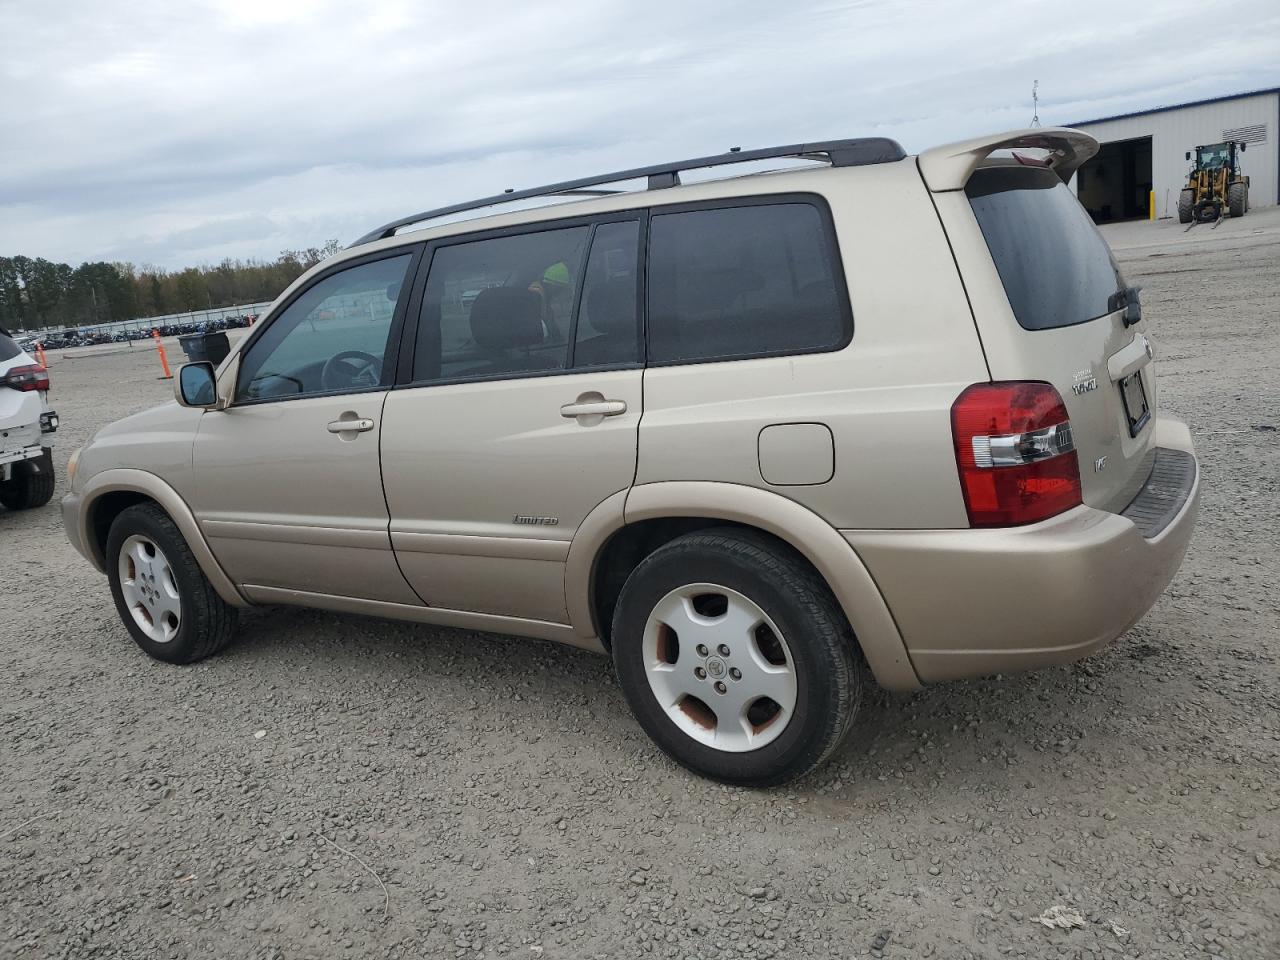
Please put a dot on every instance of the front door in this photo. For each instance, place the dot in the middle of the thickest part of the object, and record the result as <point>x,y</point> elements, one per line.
<point>521,415</point>
<point>288,483</point>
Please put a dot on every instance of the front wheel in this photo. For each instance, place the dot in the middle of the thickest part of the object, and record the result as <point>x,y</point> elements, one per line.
<point>30,483</point>
<point>1186,203</point>
<point>1237,199</point>
<point>735,657</point>
<point>163,597</point>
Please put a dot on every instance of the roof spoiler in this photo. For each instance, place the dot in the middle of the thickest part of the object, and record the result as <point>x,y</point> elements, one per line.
<point>949,167</point>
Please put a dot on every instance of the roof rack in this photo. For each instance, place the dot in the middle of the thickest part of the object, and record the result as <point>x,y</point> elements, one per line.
<point>838,153</point>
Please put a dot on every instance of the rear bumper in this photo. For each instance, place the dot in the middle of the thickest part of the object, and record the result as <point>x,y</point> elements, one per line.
<point>21,442</point>
<point>26,453</point>
<point>977,602</point>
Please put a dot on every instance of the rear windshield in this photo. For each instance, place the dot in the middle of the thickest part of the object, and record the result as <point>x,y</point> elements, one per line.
<point>1056,268</point>
<point>8,349</point>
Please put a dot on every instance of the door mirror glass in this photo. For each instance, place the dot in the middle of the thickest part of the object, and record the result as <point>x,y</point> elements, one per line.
<point>196,385</point>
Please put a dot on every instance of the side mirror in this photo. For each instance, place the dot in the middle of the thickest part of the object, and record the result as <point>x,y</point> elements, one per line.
<point>1242,147</point>
<point>195,385</point>
<point>1188,154</point>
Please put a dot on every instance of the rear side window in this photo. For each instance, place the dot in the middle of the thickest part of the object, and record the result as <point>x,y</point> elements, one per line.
<point>747,281</point>
<point>607,331</point>
<point>8,348</point>
<point>1056,268</point>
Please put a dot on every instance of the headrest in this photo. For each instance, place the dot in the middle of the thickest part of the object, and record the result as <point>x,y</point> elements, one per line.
<point>611,307</point>
<point>503,318</point>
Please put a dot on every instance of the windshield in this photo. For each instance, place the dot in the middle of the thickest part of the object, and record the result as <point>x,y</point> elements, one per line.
<point>1215,156</point>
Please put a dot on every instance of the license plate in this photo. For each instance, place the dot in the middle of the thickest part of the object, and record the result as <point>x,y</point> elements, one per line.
<point>1135,402</point>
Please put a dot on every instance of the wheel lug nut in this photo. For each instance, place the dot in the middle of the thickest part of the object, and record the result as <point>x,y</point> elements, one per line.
<point>724,649</point>
<point>702,650</point>
<point>735,673</point>
<point>720,687</point>
<point>700,673</point>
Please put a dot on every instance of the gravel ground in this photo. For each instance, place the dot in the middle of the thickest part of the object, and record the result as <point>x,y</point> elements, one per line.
<point>333,786</point>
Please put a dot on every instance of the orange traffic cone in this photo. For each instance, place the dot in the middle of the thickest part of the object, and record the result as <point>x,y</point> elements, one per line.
<point>164,361</point>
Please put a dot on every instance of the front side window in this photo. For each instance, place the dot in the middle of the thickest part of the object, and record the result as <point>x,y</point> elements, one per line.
<point>755,280</point>
<point>501,306</point>
<point>332,338</point>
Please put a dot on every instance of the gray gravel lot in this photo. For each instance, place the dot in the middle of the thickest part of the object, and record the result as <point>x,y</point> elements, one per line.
<point>333,786</point>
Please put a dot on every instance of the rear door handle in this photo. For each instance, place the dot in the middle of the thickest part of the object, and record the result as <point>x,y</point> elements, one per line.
<point>353,425</point>
<point>593,408</point>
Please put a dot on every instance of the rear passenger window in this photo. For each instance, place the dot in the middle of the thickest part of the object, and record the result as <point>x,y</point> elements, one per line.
<point>500,307</point>
<point>745,281</point>
<point>607,331</point>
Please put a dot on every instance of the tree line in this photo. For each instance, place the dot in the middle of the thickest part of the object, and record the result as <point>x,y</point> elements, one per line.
<point>36,293</point>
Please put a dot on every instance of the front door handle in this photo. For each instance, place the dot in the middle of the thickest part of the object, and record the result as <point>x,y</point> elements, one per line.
<point>350,425</point>
<point>593,408</point>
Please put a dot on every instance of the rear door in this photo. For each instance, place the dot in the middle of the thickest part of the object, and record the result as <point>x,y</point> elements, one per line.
<point>1049,303</point>
<point>518,412</point>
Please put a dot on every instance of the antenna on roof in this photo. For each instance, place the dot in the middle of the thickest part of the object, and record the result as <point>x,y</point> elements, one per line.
<point>1035,102</point>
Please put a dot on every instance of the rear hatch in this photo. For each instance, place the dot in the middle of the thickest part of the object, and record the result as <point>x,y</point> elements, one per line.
<point>1064,321</point>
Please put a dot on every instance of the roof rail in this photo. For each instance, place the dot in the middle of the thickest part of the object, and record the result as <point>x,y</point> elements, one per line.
<point>838,153</point>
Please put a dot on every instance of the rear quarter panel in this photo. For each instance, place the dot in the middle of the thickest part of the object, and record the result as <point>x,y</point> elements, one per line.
<point>886,397</point>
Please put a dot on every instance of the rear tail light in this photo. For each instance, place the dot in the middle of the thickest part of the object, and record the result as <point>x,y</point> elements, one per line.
<point>1015,453</point>
<point>27,378</point>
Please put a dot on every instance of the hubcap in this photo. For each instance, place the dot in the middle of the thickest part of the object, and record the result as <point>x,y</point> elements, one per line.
<point>149,589</point>
<point>719,667</point>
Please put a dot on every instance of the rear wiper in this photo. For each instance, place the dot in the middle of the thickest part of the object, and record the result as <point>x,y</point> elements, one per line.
<point>1128,300</point>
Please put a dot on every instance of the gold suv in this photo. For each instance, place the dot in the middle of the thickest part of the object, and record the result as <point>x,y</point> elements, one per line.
<point>762,438</point>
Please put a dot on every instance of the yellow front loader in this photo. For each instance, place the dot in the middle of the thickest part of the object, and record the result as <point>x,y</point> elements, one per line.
<point>1215,186</point>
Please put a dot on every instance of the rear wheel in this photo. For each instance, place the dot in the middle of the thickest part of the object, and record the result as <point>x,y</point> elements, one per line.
<point>1238,199</point>
<point>163,597</point>
<point>736,658</point>
<point>30,483</point>
<point>1186,203</point>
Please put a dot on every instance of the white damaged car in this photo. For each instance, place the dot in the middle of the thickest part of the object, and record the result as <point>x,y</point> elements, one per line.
<point>27,425</point>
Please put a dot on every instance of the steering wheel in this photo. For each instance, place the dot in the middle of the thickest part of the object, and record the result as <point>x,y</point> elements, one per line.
<point>339,371</point>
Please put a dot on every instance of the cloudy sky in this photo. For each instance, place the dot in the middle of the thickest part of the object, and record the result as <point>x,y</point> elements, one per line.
<point>177,133</point>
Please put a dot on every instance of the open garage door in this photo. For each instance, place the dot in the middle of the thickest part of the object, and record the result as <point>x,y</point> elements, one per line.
<point>1116,183</point>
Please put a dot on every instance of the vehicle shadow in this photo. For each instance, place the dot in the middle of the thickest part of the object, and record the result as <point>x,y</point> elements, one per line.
<point>981,731</point>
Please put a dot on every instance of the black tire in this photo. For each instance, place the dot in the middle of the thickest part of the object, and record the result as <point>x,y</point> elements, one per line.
<point>1237,199</point>
<point>207,622</point>
<point>829,671</point>
<point>30,483</point>
<point>1186,203</point>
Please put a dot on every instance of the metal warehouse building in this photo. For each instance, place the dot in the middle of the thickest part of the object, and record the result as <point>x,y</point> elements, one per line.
<point>1145,152</point>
